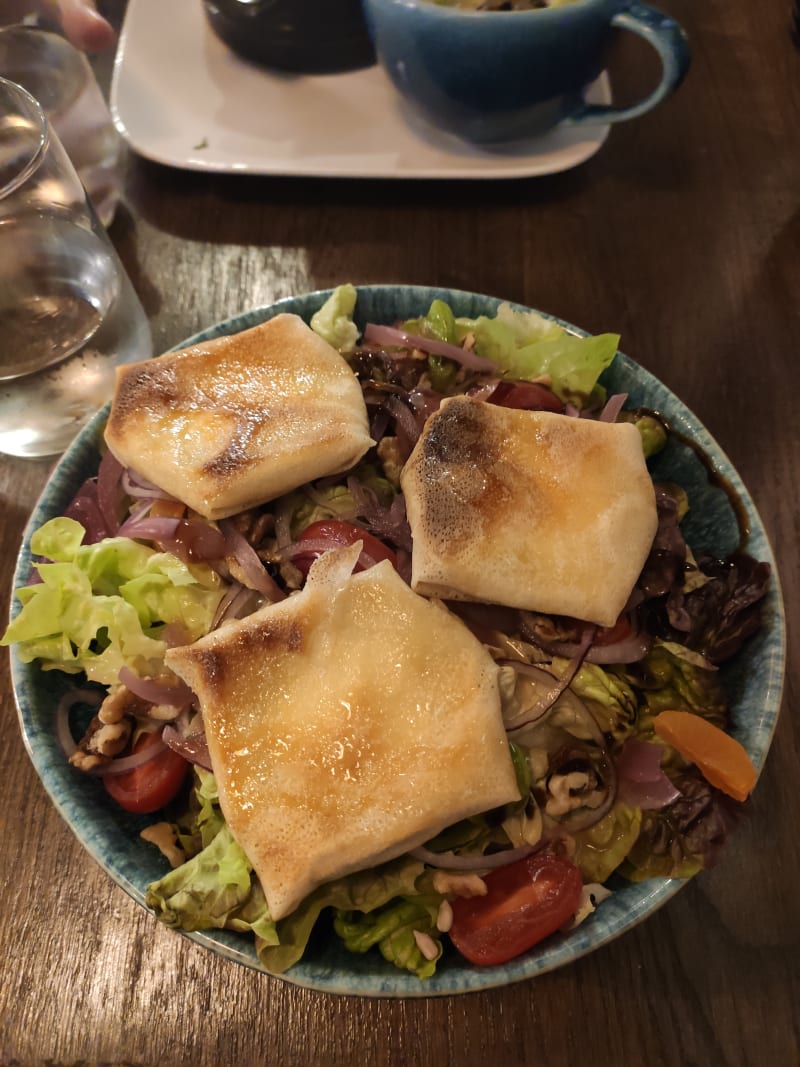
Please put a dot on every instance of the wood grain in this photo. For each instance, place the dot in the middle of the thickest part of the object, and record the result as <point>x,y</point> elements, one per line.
<point>683,234</point>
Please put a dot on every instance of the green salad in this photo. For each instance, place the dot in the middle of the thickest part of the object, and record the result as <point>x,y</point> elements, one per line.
<point>618,735</point>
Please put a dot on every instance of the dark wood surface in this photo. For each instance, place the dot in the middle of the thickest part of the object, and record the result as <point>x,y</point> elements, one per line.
<point>683,234</point>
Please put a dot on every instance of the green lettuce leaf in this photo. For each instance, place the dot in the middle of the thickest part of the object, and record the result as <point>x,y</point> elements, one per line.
<point>392,929</point>
<point>439,324</point>
<point>102,607</point>
<point>528,346</point>
<point>603,847</point>
<point>203,820</point>
<point>214,889</point>
<point>689,834</point>
<point>610,698</point>
<point>672,677</point>
<point>363,891</point>
<point>334,320</point>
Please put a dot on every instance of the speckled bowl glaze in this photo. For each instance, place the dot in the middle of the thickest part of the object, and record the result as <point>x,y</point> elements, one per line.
<point>491,77</point>
<point>111,836</point>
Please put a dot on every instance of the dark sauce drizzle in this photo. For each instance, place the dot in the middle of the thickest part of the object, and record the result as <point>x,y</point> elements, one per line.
<point>716,479</point>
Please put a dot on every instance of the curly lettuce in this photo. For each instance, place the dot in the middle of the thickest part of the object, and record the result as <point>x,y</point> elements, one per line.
<point>527,345</point>
<point>396,930</point>
<point>333,322</point>
<point>101,607</point>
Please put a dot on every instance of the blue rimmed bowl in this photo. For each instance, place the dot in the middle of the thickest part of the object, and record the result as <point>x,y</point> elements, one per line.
<point>754,682</point>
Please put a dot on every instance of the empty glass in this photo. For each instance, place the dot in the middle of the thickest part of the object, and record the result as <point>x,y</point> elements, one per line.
<point>68,312</point>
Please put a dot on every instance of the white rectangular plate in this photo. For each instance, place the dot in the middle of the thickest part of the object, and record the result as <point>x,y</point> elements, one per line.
<point>179,96</point>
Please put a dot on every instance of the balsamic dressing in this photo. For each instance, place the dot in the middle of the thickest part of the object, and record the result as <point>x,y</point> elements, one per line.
<point>715,478</point>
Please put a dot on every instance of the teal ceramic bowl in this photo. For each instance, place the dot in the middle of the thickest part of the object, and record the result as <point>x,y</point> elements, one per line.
<point>112,837</point>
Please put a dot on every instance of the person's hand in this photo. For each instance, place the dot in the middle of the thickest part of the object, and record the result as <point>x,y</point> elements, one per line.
<point>84,26</point>
<point>79,20</point>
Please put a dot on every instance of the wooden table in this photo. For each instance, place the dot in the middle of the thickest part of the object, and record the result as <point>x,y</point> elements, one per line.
<point>683,234</point>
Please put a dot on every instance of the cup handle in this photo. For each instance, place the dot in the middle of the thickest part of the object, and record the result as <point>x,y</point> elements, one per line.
<point>669,40</point>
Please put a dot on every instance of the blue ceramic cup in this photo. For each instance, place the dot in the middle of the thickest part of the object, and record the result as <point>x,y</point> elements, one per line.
<point>500,76</point>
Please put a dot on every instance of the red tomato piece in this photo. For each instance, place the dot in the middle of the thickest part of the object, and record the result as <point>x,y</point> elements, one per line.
<point>151,785</point>
<point>526,902</point>
<point>610,635</point>
<point>335,533</point>
<point>528,395</point>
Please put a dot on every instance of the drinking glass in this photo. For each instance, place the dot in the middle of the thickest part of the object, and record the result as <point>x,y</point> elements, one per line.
<point>62,80</point>
<point>68,312</point>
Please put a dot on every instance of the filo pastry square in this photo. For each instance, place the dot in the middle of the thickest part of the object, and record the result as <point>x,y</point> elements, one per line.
<point>529,509</point>
<point>234,422</point>
<point>346,725</point>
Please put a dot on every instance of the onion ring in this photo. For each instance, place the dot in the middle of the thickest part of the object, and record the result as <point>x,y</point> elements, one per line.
<point>389,335</point>
<point>449,861</point>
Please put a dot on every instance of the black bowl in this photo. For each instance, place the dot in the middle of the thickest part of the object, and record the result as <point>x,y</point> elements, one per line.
<point>296,36</point>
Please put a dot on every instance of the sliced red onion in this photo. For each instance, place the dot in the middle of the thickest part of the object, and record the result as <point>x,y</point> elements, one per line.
<point>109,490</point>
<point>140,485</point>
<point>193,747</point>
<point>174,696</point>
<point>230,595</point>
<point>406,426</point>
<point>642,782</point>
<point>253,569</point>
<point>149,529</point>
<point>613,407</point>
<point>629,649</point>
<point>123,764</point>
<point>389,335</point>
<point>484,390</point>
<point>449,861</point>
<point>318,546</point>
<point>283,524</point>
<point>90,697</point>
<point>425,402</point>
<point>388,523</point>
<point>85,509</point>
<point>196,542</point>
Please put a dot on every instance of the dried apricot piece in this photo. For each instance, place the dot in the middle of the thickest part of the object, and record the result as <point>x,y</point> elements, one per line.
<point>717,755</point>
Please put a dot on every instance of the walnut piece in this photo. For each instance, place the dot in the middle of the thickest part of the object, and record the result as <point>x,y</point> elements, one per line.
<point>457,884</point>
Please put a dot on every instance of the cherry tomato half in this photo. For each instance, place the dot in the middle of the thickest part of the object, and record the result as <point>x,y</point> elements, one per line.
<point>151,785</point>
<point>528,395</point>
<point>610,635</point>
<point>526,902</point>
<point>336,532</point>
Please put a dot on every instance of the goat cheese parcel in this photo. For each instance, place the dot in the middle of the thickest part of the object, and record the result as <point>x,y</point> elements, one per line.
<point>529,509</point>
<point>346,725</point>
<point>234,422</point>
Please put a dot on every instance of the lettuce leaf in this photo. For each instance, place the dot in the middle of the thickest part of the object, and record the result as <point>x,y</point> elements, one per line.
<point>610,698</point>
<point>686,836</point>
<point>528,346</point>
<point>214,889</point>
<point>101,607</point>
<point>439,324</point>
<point>363,891</point>
<point>603,847</point>
<point>334,320</point>
<point>672,677</point>
<point>392,929</point>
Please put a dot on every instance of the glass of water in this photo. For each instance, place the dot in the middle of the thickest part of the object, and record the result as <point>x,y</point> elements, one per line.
<point>68,312</point>
<point>62,80</point>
